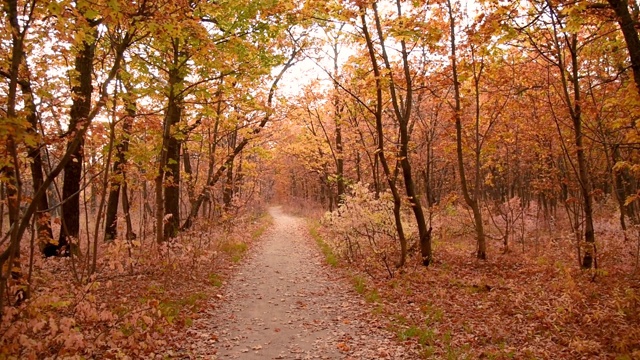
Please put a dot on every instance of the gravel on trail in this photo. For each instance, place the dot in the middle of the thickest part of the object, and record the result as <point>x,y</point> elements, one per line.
<point>283,302</point>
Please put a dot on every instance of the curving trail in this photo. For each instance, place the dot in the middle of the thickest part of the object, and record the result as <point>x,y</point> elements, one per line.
<point>284,304</point>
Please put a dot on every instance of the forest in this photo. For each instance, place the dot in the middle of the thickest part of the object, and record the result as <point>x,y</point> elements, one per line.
<point>469,168</point>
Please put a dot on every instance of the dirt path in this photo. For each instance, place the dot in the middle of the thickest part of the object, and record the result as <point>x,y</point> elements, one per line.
<point>283,304</point>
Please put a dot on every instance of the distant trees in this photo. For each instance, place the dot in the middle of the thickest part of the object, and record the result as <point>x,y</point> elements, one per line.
<point>533,93</point>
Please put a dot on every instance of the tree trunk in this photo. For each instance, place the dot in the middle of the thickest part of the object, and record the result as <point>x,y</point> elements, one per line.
<point>619,188</point>
<point>227,193</point>
<point>337,108</point>
<point>111,226</point>
<point>172,188</point>
<point>43,222</point>
<point>402,109</point>
<point>118,179</point>
<point>80,109</point>
<point>630,33</point>
<point>2,198</point>
<point>472,202</point>
<point>188,170</point>
<point>168,179</point>
<point>126,209</point>
<point>583,172</point>
<point>11,171</point>
<point>380,151</point>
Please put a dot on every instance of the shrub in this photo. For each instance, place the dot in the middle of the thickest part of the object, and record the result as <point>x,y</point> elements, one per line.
<point>362,230</point>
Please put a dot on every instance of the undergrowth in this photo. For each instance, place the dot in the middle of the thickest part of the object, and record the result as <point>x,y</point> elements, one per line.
<point>530,300</point>
<point>139,303</point>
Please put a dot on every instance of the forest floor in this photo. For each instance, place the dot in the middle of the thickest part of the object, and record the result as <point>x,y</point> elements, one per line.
<point>283,302</point>
<point>532,302</point>
<point>258,287</point>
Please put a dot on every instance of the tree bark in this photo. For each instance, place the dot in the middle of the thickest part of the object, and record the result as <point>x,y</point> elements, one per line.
<point>172,187</point>
<point>11,170</point>
<point>80,109</point>
<point>188,170</point>
<point>118,180</point>
<point>168,189</point>
<point>630,33</point>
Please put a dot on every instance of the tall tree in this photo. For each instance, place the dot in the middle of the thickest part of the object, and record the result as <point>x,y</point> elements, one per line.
<point>338,110</point>
<point>12,130</point>
<point>378,113</point>
<point>168,188</point>
<point>629,27</point>
<point>82,91</point>
<point>117,185</point>
<point>402,108</point>
<point>471,200</point>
